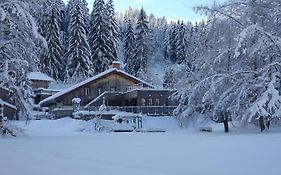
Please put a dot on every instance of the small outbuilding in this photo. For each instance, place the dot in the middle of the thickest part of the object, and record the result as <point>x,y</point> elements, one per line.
<point>7,105</point>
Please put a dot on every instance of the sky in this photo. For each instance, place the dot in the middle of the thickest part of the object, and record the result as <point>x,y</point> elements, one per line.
<point>173,10</point>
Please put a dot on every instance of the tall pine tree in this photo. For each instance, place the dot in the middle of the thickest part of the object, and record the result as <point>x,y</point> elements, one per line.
<point>52,63</point>
<point>42,21</point>
<point>99,34</point>
<point>129,47</point>
<point>181,43</point>
<point>141,51</point>
<point>79,66</point>
<point>113,31</point>
<point>172,44</point>
<point>65,23</point>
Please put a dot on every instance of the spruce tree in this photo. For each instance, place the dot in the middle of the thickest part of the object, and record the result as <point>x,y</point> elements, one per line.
<point>113,31</point>
<point>79,65</point>
<point>172,44</point>
<point>65,23</point>
<point>166,42</point>
<point>129,47</point>
<point>181,43</point>
<point>141,51</point>
<point>42,20</point>
<point>51,63</point>
<point>99,33</point>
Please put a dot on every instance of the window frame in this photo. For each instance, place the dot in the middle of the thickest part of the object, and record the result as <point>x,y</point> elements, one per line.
<point>87,91</point>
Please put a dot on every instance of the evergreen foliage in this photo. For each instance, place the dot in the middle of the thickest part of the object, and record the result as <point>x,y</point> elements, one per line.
<point>113,31</point>
<point>99,36</point>
<point>129,47</point>
<point>52,63</point>
<point>79,66</point>
<point>172,44</point>
<point>181,43</point>
<point>141,45</point>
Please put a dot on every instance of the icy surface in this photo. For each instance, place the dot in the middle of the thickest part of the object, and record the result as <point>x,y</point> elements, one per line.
<point>56,147</point>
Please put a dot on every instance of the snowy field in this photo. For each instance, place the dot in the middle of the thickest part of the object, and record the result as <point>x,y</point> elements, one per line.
<point>60,148</point>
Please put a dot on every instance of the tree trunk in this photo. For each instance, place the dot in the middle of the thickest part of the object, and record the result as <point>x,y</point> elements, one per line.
<point>261,122</point>
<point>225,123</point>
<point>268,124</point>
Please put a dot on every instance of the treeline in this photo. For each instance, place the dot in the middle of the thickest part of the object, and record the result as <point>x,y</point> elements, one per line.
<point>82,44</point>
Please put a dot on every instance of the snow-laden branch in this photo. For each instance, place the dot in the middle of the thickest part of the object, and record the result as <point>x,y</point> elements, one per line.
<point>218,11</point>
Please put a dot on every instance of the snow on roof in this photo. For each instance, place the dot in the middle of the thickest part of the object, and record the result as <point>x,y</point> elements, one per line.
<point>63,92</point>
<point>39,76</point>
<point>133,77</point>
<point>7,104</point>
<point>116,62</point>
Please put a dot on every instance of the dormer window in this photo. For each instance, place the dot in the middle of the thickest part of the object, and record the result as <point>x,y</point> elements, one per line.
<point>87,91</point>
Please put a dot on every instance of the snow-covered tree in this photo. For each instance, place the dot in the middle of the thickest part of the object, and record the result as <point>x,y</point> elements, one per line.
<point>42,21</point>
<point>172,44</point>
<point>19,51</point>
<point>79,66</point>
<point>52,63</point>
<point>129,47</point>
<point>65,26</point>
<point>141,45</point>
<point>238,71</point>
<point>113,31</point>
<point>181,43</point>
<point>99,36</point>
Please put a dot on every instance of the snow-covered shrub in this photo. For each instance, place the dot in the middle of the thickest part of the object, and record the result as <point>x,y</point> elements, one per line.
<point>8,129</point>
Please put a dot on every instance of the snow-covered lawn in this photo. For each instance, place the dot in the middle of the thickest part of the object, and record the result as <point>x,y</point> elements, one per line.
<point>44,151</point>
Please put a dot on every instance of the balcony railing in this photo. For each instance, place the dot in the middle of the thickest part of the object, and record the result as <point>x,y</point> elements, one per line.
<point>148,110</point>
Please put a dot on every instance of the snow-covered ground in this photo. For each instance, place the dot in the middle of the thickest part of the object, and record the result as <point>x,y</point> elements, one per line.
<point>60,148</point>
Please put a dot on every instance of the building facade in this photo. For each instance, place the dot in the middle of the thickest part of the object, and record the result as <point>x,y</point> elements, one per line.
<point>115,89</point>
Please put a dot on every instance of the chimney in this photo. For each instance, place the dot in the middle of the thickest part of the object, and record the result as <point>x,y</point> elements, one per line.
<point>116,64</point>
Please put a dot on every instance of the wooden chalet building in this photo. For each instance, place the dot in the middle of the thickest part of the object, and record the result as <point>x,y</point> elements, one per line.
<point>7,105</point>
<point>117,90</point>
<point>40,84</point>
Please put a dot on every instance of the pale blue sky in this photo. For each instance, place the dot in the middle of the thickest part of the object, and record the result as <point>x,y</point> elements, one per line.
<point>171,9</point>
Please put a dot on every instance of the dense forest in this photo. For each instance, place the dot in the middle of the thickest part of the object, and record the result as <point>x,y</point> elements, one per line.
<point>226,67</point>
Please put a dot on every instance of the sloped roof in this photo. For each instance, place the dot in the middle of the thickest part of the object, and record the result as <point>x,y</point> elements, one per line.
<point>2,102</point>
<point>39,76</point>
<point>72,88</point>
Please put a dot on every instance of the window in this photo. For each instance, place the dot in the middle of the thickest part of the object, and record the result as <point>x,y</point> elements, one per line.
<point>87,91</point>
<point>157,102</point>
<point>150,102</point>
<point>99,91</point>
<point>143,101</point>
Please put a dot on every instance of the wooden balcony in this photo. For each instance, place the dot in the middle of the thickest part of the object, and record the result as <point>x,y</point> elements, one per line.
<point>147,110</point>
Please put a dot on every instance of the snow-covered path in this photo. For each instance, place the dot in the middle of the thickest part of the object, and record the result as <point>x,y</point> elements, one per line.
<point>142,154</point>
